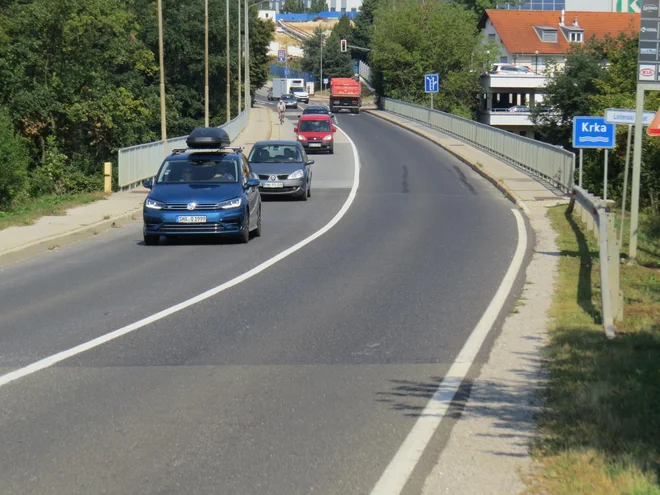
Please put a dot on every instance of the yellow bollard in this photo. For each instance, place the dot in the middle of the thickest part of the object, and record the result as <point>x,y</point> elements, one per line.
<point>107,172</point>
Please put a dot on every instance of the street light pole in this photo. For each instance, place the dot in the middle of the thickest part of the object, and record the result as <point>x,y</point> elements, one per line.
<point>163,121</point>
<point>321,64</point>
<point>206,63</point>
<point>239,56</point>
<point>228,60</point>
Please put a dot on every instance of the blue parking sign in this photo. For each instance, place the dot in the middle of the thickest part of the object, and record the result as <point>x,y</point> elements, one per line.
<point>431,83</point>
<point>593,132</point>
<point>281,55</point>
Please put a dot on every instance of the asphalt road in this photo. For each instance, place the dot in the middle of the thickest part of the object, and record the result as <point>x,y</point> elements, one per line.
<point>305,378</point>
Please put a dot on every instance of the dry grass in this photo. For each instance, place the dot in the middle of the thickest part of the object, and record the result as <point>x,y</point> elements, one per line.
<point>31,211</point>
<point>600,428</point>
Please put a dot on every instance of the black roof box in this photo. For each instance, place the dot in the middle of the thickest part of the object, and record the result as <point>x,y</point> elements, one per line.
<point>208,138</point>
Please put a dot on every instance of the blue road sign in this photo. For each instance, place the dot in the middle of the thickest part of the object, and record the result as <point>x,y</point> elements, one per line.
<point>593,132</point>
<point>431,83</point>
<point>286,72</point>
<point>281,55</point>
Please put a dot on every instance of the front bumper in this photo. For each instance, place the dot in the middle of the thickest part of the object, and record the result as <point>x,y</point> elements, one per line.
<point>289,188</point>
<point>317,145</point>
<point>218,222</point>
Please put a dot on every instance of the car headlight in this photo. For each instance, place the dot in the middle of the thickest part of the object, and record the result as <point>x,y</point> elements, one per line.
<point>154,205</point>
<point>327,138</point>
<point>301,137</point>
<point>232,203</point>
<point>298,174</point>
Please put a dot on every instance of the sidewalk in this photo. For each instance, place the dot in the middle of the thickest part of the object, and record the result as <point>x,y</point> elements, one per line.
<point>51,232</point>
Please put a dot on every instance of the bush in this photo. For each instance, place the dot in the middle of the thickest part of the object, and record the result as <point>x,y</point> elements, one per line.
<point>58,176</point>
<point>14,163</point>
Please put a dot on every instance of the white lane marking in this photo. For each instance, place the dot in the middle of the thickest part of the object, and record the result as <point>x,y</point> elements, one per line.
<point>397,473</point>
<point>61,356</point>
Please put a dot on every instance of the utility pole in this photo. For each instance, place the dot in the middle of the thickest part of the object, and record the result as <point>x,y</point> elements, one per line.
<point>322,88</point>
<point>163,121</point>
<point>206,63</point>
<point>228,60</point>
<point>248,101</point>
<point>239,56</point>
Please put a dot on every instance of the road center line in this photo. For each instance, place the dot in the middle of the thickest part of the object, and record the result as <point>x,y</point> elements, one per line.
<point>61,356</point>
<point>400,468</point>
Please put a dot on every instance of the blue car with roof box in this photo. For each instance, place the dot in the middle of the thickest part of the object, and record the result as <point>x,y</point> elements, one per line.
<point>206,189</point>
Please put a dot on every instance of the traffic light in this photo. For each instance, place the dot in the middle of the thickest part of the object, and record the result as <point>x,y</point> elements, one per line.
<point>343,45</point>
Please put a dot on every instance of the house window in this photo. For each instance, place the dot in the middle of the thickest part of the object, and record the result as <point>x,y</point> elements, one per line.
<point>343,9</point>
<point>504,60</point>
<point>491,36</point>
<point>332,9</point>
<point>353,9</point>
<point>549,36</point>
<point>576,37</point>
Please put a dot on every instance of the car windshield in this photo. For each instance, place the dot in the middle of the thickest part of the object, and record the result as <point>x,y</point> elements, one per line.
<point>275,153</point>
<point>316,110</point>
<point>287,97</point>
<point>314,126</point>
<point>199,170</point>
<point>297,90</point>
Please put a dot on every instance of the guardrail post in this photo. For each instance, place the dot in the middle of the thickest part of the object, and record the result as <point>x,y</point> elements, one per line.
<point>614,264</point>
<point>107,177</point>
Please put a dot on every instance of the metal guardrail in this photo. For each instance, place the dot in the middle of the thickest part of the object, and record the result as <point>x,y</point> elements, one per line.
<point>551,163</point>
<point>294,31</point>
<point>141,161</point>
<point>597,215</point>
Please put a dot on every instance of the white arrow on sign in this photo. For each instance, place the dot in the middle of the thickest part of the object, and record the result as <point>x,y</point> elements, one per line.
<point>619,116</point>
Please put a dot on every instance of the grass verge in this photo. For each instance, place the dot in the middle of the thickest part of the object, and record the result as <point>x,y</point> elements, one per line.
<point>600,427</point>
<point>32,210</point>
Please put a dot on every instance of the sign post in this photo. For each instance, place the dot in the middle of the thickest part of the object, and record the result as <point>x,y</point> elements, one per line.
<point>593,132</point>
<point>648,63</point>
<point>431,85</point>
<point>626,117</point>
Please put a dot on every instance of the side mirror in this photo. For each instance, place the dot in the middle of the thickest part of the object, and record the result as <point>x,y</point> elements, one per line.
<point>295,129</point>
<point>309,162</point>
<point>148,183</point>
<point>334,129</point>
<point>252,183</point>
<point>332,115</point>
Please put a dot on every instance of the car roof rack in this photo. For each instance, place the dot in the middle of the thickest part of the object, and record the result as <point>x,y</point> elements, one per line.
<point>209,151</point>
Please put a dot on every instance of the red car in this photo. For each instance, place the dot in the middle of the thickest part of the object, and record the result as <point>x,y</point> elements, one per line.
<point>316,132</point>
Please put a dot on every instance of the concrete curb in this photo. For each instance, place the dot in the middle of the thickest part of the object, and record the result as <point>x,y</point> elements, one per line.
<point>57,241</point>
<point>503,188</point>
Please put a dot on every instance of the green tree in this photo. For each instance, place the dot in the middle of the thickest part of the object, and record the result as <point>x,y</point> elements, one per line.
<point>343,29</point>
<point>479,6</point>
<point>318,6</point>
<point>410,39</point>
<point>14,162</point>
<point>293,6</point>
<point>77,71</point>
<point>362,32</point>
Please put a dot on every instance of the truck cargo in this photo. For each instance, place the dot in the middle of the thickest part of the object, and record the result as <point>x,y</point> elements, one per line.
<point>345,93</point>
<point>284,86</point>
<point>280,87</point>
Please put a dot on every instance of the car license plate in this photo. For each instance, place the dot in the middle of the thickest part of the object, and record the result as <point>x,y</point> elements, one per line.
<point>314,145</point>
<point>273,184</point>
<point>191,219</point>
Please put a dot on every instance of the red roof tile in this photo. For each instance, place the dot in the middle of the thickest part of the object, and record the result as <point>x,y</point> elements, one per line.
<point>516,27</point>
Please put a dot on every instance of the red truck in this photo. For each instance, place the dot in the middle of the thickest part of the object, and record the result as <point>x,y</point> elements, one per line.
<point>345,92</point>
